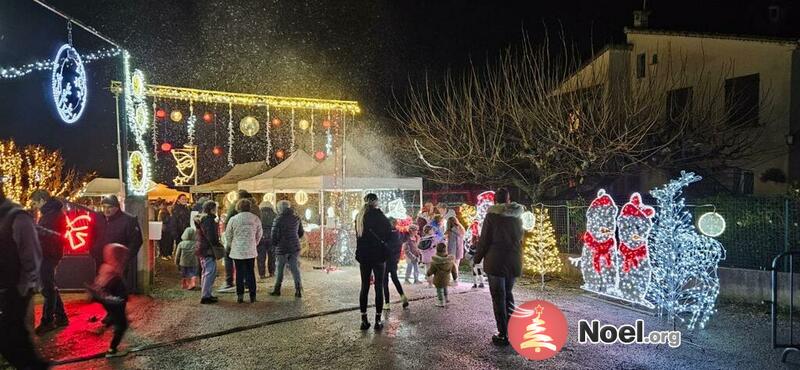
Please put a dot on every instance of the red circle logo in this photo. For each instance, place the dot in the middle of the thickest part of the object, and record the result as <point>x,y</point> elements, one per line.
<point>537,330</point>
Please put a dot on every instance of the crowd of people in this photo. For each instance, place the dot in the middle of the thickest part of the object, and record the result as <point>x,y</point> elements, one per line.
<point>250,239</point>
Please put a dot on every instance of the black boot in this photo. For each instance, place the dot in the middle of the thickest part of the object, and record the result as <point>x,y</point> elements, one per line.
<point>240,299</point>
<point>252,298</point>
<point>298,293</point>
<point>378,322</point>
<point>277,291</point>
<point>364,322</point>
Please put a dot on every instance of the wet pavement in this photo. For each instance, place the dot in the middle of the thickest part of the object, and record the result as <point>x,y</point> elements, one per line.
<point>171,330</point>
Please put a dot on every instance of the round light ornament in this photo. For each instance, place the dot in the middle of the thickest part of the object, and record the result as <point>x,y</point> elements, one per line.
<point>309,213</point>
<point>249,126</point>
<point>137,173</point>
<point>528,220</point>
<point>711,224</point>
<point>176,116</point>
<point>68,83</point>
<point>301,197</point>
<point>303,124</point>
<point>141,117</point>
<point>232,196</point>
<point>270,197</point>
<point>138,85</point>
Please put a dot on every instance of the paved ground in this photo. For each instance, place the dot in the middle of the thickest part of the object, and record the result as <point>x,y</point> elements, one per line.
<point>170,330</point>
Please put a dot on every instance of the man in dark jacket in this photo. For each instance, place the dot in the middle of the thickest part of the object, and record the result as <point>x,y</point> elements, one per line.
<point>20,264</point>
<point>286,234</point>
<point>115,226</point>
<point>53,226</point>
<point>500,249</point>
<point>266,253</point>
<point>180,216</point>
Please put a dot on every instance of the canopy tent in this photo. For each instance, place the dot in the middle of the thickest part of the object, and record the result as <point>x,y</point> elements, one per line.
<point>297,163</point>
<point>161,191</point>
<point>100,187</point>
<point>228,182</point>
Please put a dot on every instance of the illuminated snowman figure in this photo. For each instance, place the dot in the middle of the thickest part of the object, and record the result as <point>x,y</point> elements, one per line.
<point>599,258</point>
<point>633,228</point>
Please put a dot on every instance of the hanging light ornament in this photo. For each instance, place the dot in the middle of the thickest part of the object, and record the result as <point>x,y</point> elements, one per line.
<point>326,123</point>
<point>161,114</point>
<point>166,147</point>
<point>208,117</point>
<point>176,116</point>
<point>230,135</point>
<point>190,123</point>
<point>280,154</point>
<point>249,126</point>
<point>303,124</point>
<point>319,155</point>
<point>270,197</point>
<point>269,140</point>
<point>217,150</point>
<point>301,197</point>
<point>276,122</point>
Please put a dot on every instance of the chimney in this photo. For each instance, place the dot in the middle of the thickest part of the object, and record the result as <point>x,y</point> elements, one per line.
<point>641,17</point>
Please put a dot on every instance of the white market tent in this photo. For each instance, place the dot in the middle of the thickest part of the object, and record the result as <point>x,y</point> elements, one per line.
<point>297,163</point>
<point>100,187</point>
<point>228,182</point>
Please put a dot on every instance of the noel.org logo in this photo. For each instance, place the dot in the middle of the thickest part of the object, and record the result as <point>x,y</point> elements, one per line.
<point>537,330</point>
<point>592,332</point>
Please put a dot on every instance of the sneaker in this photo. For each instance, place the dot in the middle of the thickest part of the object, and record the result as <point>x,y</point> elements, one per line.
<point>226,289</point>
<point>207,300</point>
<point>386,306</point>
<point>405,301</point>
<point>115,353</point>
<point>45,328</point>
<point>364,325</point>
<point>378,325</point>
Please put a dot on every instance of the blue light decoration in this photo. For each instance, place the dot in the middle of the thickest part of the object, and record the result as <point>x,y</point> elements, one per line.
<point>684,263</point>
<point>138,117</point>
<point>68,83</point>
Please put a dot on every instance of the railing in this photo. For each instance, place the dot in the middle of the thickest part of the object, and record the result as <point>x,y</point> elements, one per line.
<point>778,265</point>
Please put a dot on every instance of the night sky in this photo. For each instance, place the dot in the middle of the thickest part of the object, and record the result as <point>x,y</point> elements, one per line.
<point>358,50</point>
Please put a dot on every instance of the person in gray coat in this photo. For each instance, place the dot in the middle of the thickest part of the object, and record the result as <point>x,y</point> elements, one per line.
<point>286,233</point>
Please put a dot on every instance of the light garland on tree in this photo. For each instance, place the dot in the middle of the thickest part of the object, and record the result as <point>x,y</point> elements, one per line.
<point>47,64</point>
<point>684,263</point>
<point>68,84</point>
<point>230,135</point>
<point>190,123</point>
<point>540,255</point>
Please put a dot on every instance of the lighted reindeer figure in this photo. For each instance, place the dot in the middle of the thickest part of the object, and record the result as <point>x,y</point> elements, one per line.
<point>633,230</point>
<point>684,263</point>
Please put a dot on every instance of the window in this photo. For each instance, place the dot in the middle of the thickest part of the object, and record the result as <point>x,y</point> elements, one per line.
<point>654,59</point>
<point>742,99</point>
<point>774,13</point>
<point>679,104</point>
<point>640,65</point>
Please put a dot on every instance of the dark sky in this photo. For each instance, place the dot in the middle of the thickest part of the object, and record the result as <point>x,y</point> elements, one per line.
<point>360,50</point>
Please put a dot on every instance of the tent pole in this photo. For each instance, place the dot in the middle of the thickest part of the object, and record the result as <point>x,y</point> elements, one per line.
<point>322,227</point>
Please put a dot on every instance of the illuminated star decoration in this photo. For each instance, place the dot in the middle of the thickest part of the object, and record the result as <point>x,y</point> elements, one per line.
<point>186,164</point>
<point>78,231</point>
<point>68,83</point>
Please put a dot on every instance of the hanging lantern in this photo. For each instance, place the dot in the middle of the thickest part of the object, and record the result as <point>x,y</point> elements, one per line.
<point>280,154</point>
<point>166,147</point>
<point>301,197</point>
<point>176,116</point>
<point>217,150</point>
<point>232,196</point>
<point>208,117</point>
<point>319,155</point>
<point>711,224</point>
<point>270,197</point>
<point>276,122</point>
<point>161,113</point>
<point>303,124</point>
<point>326,123</point>
<point>249,126</point>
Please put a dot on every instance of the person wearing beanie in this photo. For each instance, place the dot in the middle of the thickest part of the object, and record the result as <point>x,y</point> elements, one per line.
<point>113,225</point>
<point>372,231</point>
<point>442,268</point>
<point>500,250</point>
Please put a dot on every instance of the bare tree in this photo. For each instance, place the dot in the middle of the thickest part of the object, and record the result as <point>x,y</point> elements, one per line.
<point>542,121</point>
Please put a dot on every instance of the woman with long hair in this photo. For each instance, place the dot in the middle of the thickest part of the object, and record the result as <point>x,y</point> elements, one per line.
<point>455,242</point>
<point>372,232</point>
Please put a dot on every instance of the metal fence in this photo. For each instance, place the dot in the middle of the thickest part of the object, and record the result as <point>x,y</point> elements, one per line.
<point>758,228</point>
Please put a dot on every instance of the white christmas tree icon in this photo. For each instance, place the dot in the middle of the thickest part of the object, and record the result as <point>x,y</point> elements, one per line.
<point>533,335</point>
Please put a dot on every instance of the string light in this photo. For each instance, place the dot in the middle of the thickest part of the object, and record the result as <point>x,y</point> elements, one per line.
<point>230,134</point>
<point>47,64</point>
<point>328,137</point>
<point>684,263</point>
<point>190,123</point>
<point>485,200</point>
<point>138,161</point>
<point>68,83</point>
<point>291,147</point>
<point>541,255</point>
<point>269,138</point>
<point>634,225</point>
<point>599,259</point>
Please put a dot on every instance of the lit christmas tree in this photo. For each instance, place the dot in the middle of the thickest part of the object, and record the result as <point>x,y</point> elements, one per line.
<point>540,255</point>
<point>684,263</point>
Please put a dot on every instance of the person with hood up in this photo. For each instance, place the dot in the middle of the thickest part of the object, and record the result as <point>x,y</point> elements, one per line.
<point>286,234</point>
<point>442,267</point>
<point>109,289</point>
<point>373,231</point>
<point>500,250</point>
<point>186,259</point>
<point>243,233</point>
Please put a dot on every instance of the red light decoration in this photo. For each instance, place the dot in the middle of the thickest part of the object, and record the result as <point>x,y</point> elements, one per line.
<point>78,232</point>
<point>161,113</point>
<point>217,151</point>
<point>326,123</point>
<point>166,147</point>
<point>319,155</point>
<point>276,122</point>
<point>208,117</point>
<point>280,154</point>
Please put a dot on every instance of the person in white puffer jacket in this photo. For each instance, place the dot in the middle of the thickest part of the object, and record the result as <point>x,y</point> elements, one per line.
<point>242,233</point>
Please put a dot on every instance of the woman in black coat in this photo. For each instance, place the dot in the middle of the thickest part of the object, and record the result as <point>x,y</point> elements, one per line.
<point>373,231</point>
